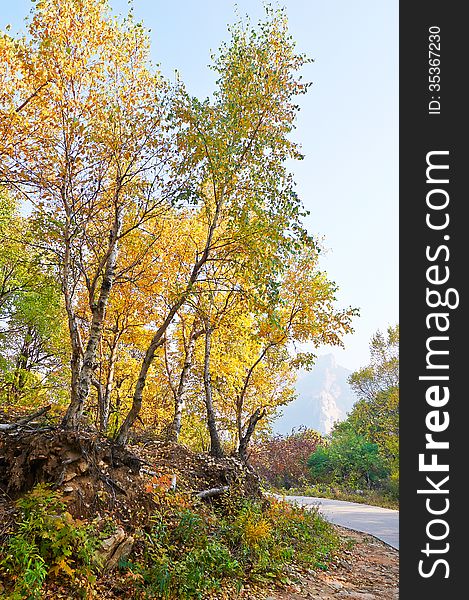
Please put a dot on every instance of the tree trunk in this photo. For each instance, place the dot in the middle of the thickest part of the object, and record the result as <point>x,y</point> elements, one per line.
<point>24,420</point>
<point>123,433</point>
<point>239,416</point>
<point>22,364</point>
<point>75,361</point>
<point>179,400</point>
<point>158,338</point>
<point>106,399</point>
<point>99,390</point>
<point>75,410</point>
<point>215,445</point>
<point>68,285</point>
<point>246,438</point>
<point>156,342</point>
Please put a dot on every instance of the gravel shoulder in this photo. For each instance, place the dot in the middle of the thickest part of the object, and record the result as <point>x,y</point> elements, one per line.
<point>369,570</point>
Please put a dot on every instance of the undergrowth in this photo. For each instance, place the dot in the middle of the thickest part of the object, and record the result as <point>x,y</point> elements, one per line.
<point>46,542</point>
<point>192,551</point>
<point>189,550</point>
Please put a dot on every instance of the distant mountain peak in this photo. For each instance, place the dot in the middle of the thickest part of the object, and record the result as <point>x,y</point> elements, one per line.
<point>324,397</point>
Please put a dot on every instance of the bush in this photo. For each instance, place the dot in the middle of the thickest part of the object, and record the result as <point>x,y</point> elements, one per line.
<point>282,460</point>
<point>47,541</point>
<point>383,497</point>
<point>350,460</point>
<point>189,554</point>
<point>190,551</point>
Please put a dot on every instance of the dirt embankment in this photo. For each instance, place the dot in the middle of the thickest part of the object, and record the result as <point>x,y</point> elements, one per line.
<point>95,476</point>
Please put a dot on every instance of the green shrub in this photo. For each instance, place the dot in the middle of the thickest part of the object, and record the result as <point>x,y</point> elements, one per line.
<point>47,541</point>
<point>350,460</point>
<point>383,497</point>
<point>181,559</point>
<point>189,554</point>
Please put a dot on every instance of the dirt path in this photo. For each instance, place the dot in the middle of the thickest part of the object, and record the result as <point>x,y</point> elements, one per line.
<point>368,571</point>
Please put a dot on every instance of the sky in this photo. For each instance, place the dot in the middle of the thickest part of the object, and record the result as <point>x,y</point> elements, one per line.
<point>347,127</point>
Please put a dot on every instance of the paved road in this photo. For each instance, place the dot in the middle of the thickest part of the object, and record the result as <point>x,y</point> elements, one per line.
<point>383,523</point>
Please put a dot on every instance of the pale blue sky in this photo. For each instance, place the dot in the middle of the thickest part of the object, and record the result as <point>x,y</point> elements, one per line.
<point>348,128</point>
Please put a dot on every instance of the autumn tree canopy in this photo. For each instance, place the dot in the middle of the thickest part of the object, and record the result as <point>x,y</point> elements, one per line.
<point>160,262</point>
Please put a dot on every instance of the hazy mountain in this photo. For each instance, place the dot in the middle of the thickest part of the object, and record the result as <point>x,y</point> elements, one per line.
<point>324,397</point>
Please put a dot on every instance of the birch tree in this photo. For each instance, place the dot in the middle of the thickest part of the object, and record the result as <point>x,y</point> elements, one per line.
<point>239,144</point>
<point>93,156</point>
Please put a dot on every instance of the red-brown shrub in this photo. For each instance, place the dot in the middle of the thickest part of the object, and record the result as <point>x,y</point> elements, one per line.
<point>281,460</point>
